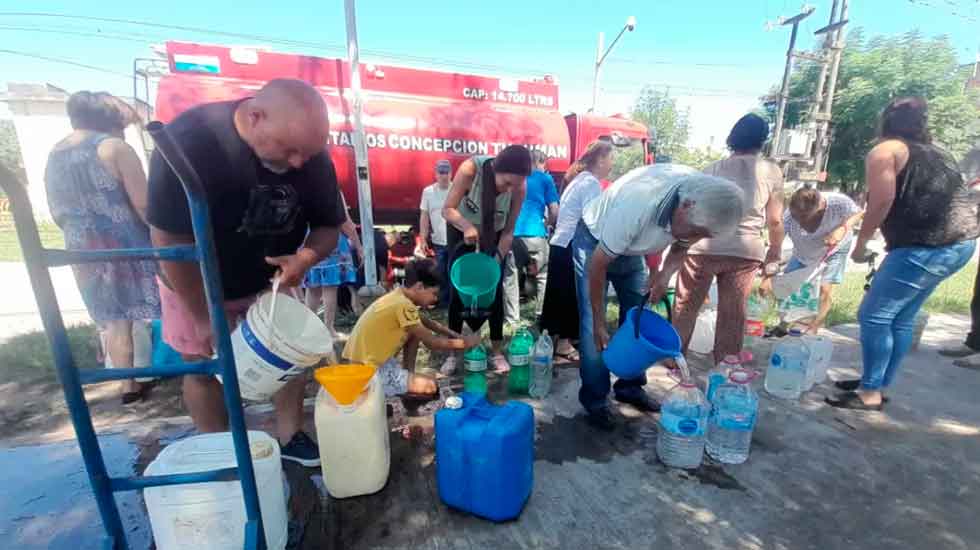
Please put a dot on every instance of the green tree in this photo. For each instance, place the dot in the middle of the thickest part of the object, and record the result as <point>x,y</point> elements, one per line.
<point>10,150</point>
<point>698,157</point>
<point>872,73</point>
<point>669,124</point>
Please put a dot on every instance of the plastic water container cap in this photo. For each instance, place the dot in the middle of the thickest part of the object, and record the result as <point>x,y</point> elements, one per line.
<point>795,332</point>
<point>731,360</point>
<point>741,376</point>
<point>454,402</point>
<point>345,382</point>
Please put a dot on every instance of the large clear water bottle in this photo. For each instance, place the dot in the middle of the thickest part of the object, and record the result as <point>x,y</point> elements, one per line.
<point>734,410</point>
<point>683,423</point>
<point>719,375</point>
<point>541,367</point>
<point>821,349</point>
<point>786,375</point>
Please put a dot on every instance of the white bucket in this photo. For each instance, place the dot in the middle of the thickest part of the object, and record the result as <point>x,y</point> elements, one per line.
<point>211,516</point>
<point>278,339</point>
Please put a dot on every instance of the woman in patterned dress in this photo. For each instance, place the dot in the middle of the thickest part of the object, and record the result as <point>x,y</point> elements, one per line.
<point>96,190</point>
<point>336,270</point>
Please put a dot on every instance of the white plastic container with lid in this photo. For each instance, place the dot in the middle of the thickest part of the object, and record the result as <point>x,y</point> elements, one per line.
<point>211,516</point>
<point>354,448</point>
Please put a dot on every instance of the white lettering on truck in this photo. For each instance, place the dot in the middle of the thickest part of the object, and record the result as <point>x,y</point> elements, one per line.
<point>440,145</point>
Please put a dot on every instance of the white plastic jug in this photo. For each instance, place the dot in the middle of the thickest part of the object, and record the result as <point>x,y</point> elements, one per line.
<point>354,448</point>
<point>703,337</point>
<point>211,516</point>
<point>278,339</point>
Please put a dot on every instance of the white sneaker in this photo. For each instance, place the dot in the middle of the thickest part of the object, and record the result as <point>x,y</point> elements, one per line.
<point>448,367</point>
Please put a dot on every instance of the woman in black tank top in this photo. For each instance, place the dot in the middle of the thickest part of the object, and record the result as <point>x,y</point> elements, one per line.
<point>918,199</point>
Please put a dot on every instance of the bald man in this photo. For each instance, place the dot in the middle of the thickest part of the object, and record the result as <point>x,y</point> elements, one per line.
<point>275,206</point>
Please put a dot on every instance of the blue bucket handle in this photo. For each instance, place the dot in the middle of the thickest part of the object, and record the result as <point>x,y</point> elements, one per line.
<point>639,312</point>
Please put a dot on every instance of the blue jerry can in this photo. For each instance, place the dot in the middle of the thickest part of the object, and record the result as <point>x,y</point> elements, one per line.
<point>485,457</point>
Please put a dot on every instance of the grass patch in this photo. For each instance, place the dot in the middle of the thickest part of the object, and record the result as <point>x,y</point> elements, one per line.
<point>28,357</point>
<point>952,296</point>
<point>51,237</point>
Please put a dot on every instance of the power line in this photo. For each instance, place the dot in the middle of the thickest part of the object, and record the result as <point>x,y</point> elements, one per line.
<point>340,48</point>
<point>118,35</point>
<point>67,62</point>
<point>74,33</point>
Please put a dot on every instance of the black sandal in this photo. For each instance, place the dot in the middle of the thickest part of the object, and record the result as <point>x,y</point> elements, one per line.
<point>851,400</point>
<point>851,385</point>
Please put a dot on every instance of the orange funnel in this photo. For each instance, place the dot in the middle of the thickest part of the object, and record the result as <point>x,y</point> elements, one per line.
<point>344,382</point>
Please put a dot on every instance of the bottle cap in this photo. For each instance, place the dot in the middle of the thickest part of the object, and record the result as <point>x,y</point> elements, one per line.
<point>731,360</point>
<point>454,402</point>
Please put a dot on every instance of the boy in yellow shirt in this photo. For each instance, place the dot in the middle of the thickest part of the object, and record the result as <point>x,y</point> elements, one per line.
<point>393,323</point>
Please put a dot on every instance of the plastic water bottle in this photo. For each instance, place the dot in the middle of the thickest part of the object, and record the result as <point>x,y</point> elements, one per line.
<point>787,367</point>
<point>683,423</point>
<point>519,356</point>
<point>475,369</point>
<point>541,367</point>
<point>733,414</point>
<point>719,375</point>
<point>755,328</point>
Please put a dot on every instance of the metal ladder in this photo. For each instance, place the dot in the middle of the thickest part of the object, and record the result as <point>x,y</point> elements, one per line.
<point>40,259</point>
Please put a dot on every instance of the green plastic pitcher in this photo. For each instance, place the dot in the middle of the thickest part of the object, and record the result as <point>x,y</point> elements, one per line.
<point>475,277</point>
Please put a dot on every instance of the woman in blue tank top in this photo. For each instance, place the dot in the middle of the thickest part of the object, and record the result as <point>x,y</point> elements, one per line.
<point>918,199</point>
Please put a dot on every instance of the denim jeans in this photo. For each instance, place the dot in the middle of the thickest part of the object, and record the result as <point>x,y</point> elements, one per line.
<point>442,257</point>
<point>887,314</point>
<point>628,276</point>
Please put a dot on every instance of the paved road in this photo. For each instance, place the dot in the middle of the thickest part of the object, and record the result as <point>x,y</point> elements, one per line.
<point>18,309</point>
<point>818,478</point>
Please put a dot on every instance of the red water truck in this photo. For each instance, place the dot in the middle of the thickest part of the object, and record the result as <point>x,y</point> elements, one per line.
<point>412,117</point>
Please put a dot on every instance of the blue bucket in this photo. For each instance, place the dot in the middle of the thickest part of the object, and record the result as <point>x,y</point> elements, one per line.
<point>644,339</point>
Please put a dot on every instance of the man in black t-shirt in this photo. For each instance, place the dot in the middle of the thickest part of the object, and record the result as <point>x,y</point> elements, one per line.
<point>275,206</point>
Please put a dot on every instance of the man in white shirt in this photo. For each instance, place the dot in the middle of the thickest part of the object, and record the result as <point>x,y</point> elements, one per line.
<point>644,212</point>
<point>432,226</point>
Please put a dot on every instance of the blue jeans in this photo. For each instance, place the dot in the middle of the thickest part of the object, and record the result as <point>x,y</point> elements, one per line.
<point>628,276</point>
<point>442,258</point>
<point>887,314</point>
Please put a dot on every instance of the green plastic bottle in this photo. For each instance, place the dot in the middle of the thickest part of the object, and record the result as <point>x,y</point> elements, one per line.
<point>475,370</point>
<point>519,356</point>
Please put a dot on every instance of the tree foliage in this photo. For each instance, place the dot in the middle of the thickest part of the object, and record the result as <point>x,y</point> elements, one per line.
<point>670,125</point>
<point>10,150</point>
<point>872,73</point>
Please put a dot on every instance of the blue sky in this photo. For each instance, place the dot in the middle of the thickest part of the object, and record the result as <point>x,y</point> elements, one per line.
<point>715,55</point>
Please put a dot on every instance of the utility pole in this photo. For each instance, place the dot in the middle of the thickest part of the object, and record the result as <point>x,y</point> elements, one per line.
<point>361,158</point>
<point>784,89</point>
<point>600,57</point>
<point>824,108</point>
<point>828,44</point>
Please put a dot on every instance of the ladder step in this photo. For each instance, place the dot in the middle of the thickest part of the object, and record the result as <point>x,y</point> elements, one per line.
<point>138,483</point>
<point>58,257</point>
<point>94,376</point>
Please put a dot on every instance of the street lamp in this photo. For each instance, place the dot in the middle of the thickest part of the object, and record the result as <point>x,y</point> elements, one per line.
<point>600,56</point>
